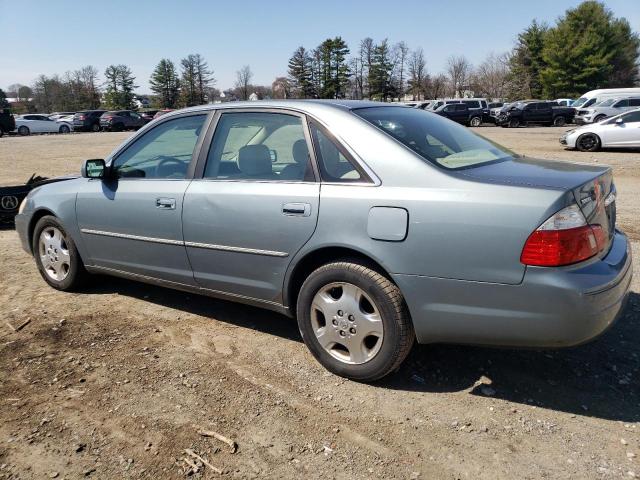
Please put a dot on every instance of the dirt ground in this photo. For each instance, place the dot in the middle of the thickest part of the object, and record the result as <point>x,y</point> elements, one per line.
<point>116,381</point>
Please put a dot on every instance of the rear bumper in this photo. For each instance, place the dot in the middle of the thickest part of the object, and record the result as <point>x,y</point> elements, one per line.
<point>552,307</point>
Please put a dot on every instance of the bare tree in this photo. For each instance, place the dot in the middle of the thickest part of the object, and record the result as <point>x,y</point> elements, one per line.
<point>365,59</point>
<point>402,51</point>
<point>281,88</point>
<point>417,73</point>
<point>436,87</point>
<point>459,70</point>
<point>243,80</point>
<point>492,76</point>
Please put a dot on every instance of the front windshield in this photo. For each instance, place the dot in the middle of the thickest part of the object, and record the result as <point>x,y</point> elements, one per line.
<point>579,102</point>
<point>436,139</point>
<point>606,103</point>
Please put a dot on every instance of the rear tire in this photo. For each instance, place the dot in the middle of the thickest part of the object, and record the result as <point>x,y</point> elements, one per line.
<point>354,321</point>
<point>475,122</point>
<point>24,131</point>
<point>56,255</point>
<point>95,127</point>
<point>588,142</point>
<point>559,121</point>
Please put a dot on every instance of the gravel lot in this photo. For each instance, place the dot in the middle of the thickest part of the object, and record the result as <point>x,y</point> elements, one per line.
<point>115,382</point>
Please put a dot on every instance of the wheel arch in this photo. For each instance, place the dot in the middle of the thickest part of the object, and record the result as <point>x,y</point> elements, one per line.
<point>37,215</point>
<point>321,256</point>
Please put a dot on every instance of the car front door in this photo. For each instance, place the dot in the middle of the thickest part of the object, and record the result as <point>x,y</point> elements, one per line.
<point>625,134</point>
<point>253,204</point>
<point>131,221</point>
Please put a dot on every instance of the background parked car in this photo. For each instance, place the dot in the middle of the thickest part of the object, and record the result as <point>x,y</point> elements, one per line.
<point>7,122</point>
<point>621,131</point>
<point>535,111</point>
<point>59,115</point>
<point>148,115</point>
<point>461,113</point>
<point>607,108</point>
<point>596,96</point>
<point>87,120</point>
<point>119,120</point>
<point>36,123</point>
<point>159,113</point>
<point>564,102</point>
<point>495,111</point>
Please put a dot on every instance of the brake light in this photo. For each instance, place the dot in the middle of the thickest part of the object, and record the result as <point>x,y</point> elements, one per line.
<point>565,238</point>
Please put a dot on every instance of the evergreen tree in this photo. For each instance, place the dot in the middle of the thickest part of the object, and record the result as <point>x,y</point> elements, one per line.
<point>165,84</point>
<point>381,85</point>
<point>120,84</point>
<point>300,73</point>
<point>588,49</point>
<point>331,71</point>
<point>526,63</point>
<point>196,80</point>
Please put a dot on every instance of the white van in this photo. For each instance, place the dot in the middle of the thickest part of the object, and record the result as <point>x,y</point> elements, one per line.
<point>596,96</point>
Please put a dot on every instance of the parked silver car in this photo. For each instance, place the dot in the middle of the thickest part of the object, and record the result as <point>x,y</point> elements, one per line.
<point>605,109</point>
<point>373,224</point>
<point>621,131</point>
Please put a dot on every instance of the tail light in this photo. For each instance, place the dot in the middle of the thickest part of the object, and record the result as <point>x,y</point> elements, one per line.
<point>565,238</point>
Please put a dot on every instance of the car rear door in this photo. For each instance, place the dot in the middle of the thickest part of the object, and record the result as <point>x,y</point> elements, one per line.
<point>253,204</point>
<point>625,134</point>
<point>132,221</point>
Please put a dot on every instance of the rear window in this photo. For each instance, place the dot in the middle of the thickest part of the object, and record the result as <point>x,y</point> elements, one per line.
<point>435,139</point>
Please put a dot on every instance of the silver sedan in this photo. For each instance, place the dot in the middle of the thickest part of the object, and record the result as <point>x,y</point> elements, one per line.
<point>374,225</point>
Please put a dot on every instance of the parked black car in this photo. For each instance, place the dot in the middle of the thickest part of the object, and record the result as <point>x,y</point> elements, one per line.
<point>7,122</point>
<point>535,111</point>
<point>461,113</point>
<point>87,121</point>
<point>119,120</point>
<point>11,196</point>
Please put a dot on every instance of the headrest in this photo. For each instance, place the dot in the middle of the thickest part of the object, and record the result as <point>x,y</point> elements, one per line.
<point>255,160</point>
<point>300,152</point>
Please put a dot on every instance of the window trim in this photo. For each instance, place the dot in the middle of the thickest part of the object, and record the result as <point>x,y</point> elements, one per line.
<point>208,139</point>
<point>151,126</point>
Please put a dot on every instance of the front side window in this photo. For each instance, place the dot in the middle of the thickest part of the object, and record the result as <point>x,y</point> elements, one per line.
<point>621,103</point>
<point>259,146</point>
<point>433,138</point>
<point>163,152</point>
<point>631,117</point>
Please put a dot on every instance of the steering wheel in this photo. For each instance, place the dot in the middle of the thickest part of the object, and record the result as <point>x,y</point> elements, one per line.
<point>164,160</point>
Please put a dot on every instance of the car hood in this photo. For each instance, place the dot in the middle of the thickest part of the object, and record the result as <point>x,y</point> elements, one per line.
<point>536,173</point>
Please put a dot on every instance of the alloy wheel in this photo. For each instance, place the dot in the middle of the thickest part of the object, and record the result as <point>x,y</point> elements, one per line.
<point>347,323</point>
<point>54,253</point>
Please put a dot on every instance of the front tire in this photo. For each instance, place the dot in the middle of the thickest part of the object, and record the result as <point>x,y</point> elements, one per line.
<point>599,118</point>
<point>354,321</point>
<point>24,131</point>
<point>475,122</point>
<point>514,123</point>
<point>95,127</point>
<point>56,255</point>
<point>64,129</point>
<point>588,142</point>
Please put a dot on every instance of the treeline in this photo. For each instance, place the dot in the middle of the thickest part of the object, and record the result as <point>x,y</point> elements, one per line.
<point>587,48</point>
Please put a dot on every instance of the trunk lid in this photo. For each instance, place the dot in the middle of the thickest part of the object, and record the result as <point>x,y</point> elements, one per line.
<point>591,185</point>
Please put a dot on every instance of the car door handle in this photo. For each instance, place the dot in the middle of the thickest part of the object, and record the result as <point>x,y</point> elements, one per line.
<point>298,209</point>
<point>166,203</point>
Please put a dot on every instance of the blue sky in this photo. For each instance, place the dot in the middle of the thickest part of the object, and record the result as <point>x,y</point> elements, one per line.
<point>56,36</point>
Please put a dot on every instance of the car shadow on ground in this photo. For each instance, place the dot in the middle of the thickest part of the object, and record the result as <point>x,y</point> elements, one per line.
<point>599,379</point>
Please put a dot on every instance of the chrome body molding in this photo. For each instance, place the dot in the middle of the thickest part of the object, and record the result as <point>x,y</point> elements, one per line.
<point>252,251</point>
<point>140,238</point>
<point>271,305</point>
<point>167,241</point>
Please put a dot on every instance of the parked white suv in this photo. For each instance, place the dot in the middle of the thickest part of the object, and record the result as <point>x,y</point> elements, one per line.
<point>605,109</point>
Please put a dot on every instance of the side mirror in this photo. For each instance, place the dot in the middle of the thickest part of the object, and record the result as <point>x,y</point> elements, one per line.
<point>619,121</point>
<point>94,168</point>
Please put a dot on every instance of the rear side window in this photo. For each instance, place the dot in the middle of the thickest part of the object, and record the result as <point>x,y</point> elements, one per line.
<point>259,146</point>
<point>335,164</point>
<point>622,103</point>
<point>634,102</point>
<point>472,103</point>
